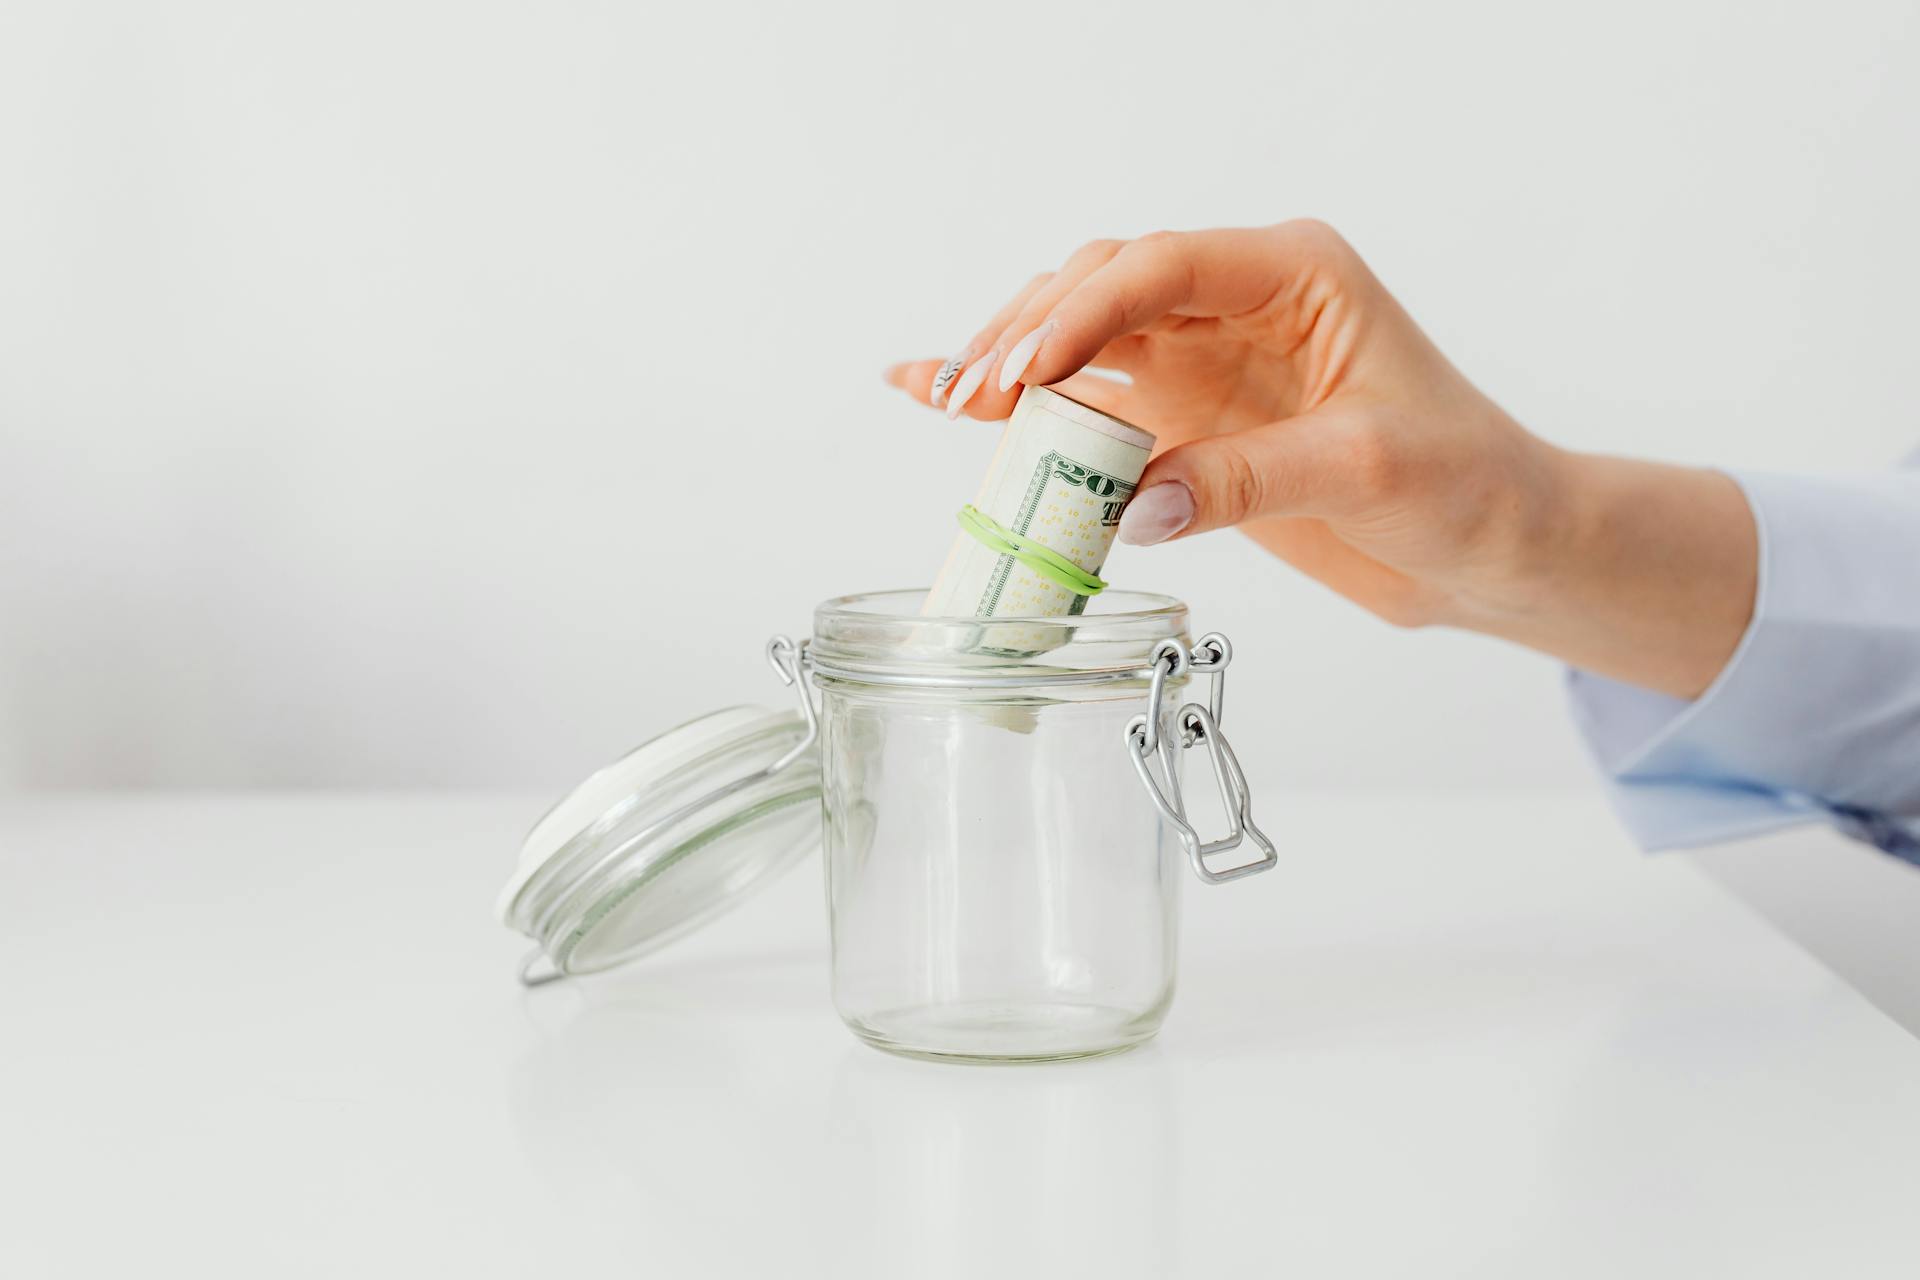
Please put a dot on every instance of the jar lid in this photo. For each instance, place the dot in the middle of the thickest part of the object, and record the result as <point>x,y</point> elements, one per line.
<point>665,838</point>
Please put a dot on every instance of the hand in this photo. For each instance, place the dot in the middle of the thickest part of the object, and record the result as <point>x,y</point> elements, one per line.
<point>1292,396</point>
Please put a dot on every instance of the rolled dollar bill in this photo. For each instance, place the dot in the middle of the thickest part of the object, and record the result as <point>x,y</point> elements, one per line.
<point>1038,534</point>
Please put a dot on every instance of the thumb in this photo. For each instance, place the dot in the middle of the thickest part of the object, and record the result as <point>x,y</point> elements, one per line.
<point>1303,465</point>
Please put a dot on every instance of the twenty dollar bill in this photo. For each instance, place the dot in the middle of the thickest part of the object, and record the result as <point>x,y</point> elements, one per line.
<point>1060,478</point>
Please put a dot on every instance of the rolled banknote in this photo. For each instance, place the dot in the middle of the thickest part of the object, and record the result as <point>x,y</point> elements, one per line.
<point>1055,490</point>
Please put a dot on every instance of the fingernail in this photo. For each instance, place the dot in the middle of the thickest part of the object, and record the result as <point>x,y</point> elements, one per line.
<point>969,383</point>
<point>944,379</point>
<point>1156,513</point>
<point>1022,355</point>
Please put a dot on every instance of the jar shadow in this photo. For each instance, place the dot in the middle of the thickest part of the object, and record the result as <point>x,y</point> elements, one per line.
<point>660,1099</point>
<point>1066,1168</point>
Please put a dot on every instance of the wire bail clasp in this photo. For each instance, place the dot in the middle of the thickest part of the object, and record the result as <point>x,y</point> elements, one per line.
<point>1196,724</point>
<point>789,662</point>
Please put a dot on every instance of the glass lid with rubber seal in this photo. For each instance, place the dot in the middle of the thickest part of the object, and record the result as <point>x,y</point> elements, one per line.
<point>668,836</point>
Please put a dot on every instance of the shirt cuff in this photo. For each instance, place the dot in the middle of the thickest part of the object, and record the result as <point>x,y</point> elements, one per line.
<point>1818,709</point>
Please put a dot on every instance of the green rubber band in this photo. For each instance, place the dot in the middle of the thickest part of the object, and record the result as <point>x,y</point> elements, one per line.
<point>1045,561</point>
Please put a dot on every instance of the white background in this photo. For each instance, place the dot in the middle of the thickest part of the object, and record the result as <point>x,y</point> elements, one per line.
<point>453,394</point>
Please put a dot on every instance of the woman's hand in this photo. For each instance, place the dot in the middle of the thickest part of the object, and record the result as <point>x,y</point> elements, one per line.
<point>1292,396</point>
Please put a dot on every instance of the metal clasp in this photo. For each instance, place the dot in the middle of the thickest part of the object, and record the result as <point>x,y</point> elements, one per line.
<point>789,662</point>
<point>1196,724</point>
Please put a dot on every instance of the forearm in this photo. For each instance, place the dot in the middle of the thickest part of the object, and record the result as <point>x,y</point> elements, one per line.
<point>1818,711</point>
<point>1638,571</point>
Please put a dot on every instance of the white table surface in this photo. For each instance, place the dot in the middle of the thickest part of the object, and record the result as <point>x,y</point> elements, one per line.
<point>1451,1036</point>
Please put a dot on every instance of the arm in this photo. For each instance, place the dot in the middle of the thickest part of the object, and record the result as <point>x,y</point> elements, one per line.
<point>1816,715</point>
<point>1643,573</point>
<point>1294,398</point>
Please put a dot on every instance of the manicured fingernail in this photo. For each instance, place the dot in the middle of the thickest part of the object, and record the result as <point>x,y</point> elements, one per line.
<point>1156,513</point>
<point>944,379</point>
<point>1022,355</point>
<point>970,382</point>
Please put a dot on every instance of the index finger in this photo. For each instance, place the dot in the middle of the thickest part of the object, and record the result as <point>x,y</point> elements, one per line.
<point>1224,272</point>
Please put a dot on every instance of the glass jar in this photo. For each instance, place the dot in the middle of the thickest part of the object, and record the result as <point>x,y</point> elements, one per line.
<point>1000,809</point>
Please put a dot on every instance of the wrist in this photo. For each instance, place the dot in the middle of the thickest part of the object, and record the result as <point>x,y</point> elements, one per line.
<point>1638,571</point>
<point>1546,509</point>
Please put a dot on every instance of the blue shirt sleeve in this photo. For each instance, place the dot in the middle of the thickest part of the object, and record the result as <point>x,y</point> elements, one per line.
<point>1816,717</point>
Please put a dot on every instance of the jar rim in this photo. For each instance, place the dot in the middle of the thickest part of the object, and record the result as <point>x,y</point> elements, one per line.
<point>903,604</point>
<point>881,634</point>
